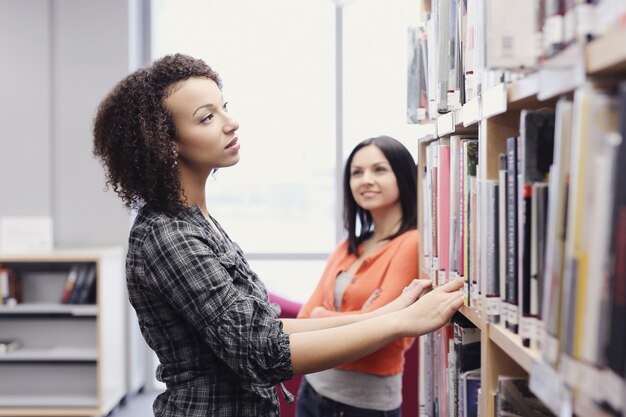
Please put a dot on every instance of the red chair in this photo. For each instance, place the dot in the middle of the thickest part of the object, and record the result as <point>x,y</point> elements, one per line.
<point>410,386</point>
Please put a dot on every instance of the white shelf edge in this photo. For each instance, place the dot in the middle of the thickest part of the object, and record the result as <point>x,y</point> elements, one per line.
<point>494,101</point>
<point>66,401</point>
<point>471,113</point>
<point>445,124</point>
<point>523,88</point>
<point>55,354</point>
<point>79,310</point>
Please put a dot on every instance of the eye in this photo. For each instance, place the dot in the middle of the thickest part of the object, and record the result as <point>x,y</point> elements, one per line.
<point>225,106</point>
<point>381,169</point>
<point>208,118</point>
<point>355,173</point>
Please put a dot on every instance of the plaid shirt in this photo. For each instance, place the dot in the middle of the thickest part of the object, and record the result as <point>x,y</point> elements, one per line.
<point>204,312</point>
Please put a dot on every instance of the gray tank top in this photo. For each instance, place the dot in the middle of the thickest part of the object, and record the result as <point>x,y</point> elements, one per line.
<point>357,389</point>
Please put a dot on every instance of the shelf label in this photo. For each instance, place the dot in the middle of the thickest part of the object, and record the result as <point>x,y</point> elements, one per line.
<point>546,384</point>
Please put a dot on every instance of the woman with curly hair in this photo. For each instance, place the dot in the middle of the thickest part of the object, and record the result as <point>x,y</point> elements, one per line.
<point>159,134</point>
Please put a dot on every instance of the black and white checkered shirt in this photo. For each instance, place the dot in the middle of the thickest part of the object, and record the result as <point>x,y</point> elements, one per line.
<point>205,313</point>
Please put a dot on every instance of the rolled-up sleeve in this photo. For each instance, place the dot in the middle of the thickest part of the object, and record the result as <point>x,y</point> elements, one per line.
<point>240,327</point>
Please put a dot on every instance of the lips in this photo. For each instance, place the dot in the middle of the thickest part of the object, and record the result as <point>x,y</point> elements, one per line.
<point>232,143</point>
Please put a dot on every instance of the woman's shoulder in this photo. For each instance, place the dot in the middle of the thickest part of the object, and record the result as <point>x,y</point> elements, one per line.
<point>410,236</point>
<point>163,227</point>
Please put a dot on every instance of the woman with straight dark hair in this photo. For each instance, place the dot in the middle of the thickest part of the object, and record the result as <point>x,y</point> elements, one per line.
<point>367,270</point>
<point>159,134</point>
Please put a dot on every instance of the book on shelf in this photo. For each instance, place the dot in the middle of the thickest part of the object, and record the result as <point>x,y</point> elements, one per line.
<point>595,115</point>
<point>616,345</point>
<point>70,281</point>
<point>492,239</point>
<point>502,172</point>
<point>443,210</point>
<point>470,162</point>
<point>470,388</point>
<point>9,345</point>
<point>539,208</point>
<point>10,287</point>
<point>511,300</point>
<point>417,106</point>
<point>515,399</point>
<point>511,33</point>
<point>556,230</point>
<point>535,147</point>
<point>80,285</point>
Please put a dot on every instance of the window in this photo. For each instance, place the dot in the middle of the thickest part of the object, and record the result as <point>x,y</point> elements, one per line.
<point>276,59</point>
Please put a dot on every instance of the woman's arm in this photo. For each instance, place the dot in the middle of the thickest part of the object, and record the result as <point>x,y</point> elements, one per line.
<point>412,292</point>
<point>316,350</point>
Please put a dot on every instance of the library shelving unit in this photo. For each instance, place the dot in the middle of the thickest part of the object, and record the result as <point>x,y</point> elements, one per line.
<point>493,117</point>
<point>71,359</point>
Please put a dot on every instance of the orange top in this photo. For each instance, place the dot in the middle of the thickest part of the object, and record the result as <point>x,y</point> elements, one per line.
<point>382,276</point>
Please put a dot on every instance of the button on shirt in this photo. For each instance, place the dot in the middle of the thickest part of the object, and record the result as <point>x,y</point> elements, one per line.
<point>220,344</point>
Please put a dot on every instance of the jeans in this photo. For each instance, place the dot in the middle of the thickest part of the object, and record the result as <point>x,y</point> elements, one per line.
<point>312,404</point>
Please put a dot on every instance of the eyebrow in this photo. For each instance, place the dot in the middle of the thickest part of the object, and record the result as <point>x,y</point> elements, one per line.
<point>209,106</point>
<point>374,164</point>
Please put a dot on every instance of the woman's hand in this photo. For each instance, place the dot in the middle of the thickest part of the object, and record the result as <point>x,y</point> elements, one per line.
<point>434,309</point>
<point>317,310</point>
<point>409,295</point>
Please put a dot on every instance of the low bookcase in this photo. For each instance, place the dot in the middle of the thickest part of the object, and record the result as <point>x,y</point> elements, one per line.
<point>70,359</point>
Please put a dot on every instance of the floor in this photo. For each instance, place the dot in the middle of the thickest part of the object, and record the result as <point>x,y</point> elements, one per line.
<point>138,405</point>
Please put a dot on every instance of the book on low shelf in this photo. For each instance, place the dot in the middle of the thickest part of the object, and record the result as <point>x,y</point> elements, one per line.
<point>9,345</point>
<point>515,399</point>
<point>10,287</point>
<point>470,387</point>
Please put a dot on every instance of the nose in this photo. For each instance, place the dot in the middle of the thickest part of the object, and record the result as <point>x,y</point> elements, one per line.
<point>230,124</point>
<point>367,177</point>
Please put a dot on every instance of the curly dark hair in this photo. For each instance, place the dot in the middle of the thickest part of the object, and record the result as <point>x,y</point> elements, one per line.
<point>405,170</point>
<point>134,133</point>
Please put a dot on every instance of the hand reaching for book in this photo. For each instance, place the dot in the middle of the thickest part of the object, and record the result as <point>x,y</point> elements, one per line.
<point>409,295</point>
<point>434,309</point>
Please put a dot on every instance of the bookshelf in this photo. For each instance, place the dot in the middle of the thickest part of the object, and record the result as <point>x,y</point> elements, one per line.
<point>571,385</point>
<point>71,358</point>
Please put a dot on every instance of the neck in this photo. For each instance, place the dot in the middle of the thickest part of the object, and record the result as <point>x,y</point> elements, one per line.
<point>386,222</point>
<point>193,186</point>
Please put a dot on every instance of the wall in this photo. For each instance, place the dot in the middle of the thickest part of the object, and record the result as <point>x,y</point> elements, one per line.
<point>60,57</point>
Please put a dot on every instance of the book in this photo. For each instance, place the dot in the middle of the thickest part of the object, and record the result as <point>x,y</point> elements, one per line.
<point>443,210</point>
<point>556,231</point>
<point>70,281</point>
<point>87,291</point>
<point>535,148</point>
<point>470,382</point>
<point>595,114</point>
<point>514,399</point>
<point>511,236</point>
<point>9,345</point>
<point>511,27</point>
<point>616,345</point>
<point>502,171</point>
<point>492,240</point>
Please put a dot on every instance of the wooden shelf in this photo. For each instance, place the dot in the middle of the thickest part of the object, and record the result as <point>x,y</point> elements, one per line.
<point>511,343</point>
<point>607,54</point>
<point>472,315</point>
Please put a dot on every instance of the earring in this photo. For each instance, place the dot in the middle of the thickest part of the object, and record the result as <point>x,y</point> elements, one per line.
<point>175,158</point>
